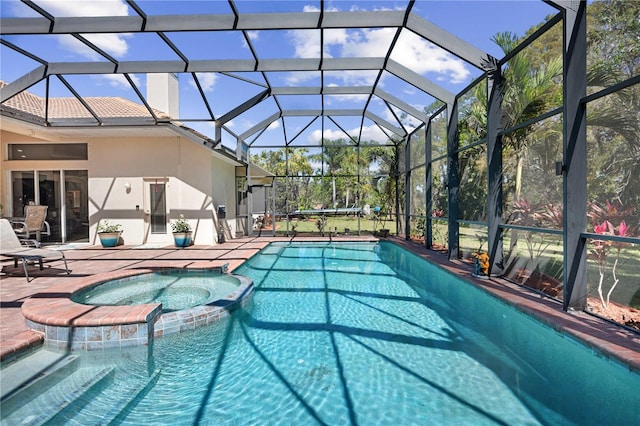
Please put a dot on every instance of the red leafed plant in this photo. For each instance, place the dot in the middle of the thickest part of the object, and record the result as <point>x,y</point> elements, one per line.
<point>602,249</point>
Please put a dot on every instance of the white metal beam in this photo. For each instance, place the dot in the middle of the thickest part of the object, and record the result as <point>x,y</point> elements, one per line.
<point>261,125</point>
<point>242,107</point>
<point>402,105</point>
<point>420,82</point>
<point>450,43</point>
<point>327,90</point>
<point>217,65</point>
<point>384,123</point>
<point>197,22</point>
<point>363,19</point>
<point>23,83</point>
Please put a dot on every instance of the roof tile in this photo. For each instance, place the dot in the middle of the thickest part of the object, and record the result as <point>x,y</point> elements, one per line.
<point>27,103</point>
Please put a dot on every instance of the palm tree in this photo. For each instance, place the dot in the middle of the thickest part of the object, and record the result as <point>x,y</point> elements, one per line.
<point>386,185</point>
<point>528,92</point>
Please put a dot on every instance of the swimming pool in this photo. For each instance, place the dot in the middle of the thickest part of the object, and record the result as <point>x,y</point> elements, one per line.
<point>350,334</point>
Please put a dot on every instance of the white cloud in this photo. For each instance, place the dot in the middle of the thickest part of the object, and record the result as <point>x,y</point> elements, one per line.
<point>335,37</point>
<point>74,45</point>
<point>410,50</point>
<point>85,8</point>
<point>274,125</point>
<point>305,42</point>
<point>371,43</point>
<point>247,124</point>
<point>119,81</point>
<point>352,78</point>
<point>114,44</point>
<point>315,137</point>
<point>299,77</point>
<point>207,81</point>
<point>424,57</point>
<point>252,35</point>
<point>357,100</point>
<point>311,8</point>
<point>374,133</point>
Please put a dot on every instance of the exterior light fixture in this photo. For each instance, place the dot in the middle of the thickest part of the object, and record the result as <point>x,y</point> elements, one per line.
<point>127,187</point>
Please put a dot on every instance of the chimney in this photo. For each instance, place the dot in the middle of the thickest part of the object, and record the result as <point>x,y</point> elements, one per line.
<point>163,93</point>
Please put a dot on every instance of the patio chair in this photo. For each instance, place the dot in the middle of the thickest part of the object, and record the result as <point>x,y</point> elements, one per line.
<point>34,222</point>
<point>10,247</point>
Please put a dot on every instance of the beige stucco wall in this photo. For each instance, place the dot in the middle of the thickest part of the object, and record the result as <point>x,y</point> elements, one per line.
<point>197,183</point>
<point>197,180</point>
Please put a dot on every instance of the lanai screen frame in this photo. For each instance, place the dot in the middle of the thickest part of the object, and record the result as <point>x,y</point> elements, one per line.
<point>572,166</point>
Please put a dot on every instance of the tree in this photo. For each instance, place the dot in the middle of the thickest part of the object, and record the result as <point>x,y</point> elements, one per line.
<point>614,35</point>
<point>385,160</point>
<point>292,165</point>
<point>614,120</point>
<point>613,131</point>
<point>529,91</point>
<point>336,155</point>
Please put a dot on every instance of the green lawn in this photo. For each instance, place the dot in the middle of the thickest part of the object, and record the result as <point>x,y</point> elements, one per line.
<point>333,224</point>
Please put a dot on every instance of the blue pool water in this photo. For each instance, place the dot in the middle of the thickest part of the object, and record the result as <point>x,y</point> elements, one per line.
<point>364,334</point>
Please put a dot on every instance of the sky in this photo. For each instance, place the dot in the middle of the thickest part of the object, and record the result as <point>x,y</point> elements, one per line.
<point>473,21</point>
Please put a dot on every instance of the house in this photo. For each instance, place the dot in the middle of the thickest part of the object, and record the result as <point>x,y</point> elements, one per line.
<point>142,177</point>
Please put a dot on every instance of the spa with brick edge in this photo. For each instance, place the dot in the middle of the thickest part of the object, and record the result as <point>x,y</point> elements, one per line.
<point>68,325</point>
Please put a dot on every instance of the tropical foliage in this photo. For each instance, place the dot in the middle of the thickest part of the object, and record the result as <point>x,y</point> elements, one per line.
<point>338,175</point>
<point>104,226</point>
<point>180,225</point>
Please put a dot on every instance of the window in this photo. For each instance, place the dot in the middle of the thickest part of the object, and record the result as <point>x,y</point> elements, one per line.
<point>48,151</point>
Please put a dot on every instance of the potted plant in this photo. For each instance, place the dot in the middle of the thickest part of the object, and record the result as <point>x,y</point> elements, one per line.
<point>181,232</point>
<point>384,231</point>
<point>481,265</point>
<point>109,233</point>
<point>320,224</point>
<point>260,224</point>
<point>381,218</point>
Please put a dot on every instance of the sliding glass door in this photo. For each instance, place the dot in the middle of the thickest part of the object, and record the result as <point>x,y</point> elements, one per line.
<point>76,205</point>
<point>64,192</point>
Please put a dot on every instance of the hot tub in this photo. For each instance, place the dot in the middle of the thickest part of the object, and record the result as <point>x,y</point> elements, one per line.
<point>132,307</point>
<point>176,289</point>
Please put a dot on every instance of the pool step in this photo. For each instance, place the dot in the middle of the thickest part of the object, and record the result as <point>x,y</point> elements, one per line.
<point>113,405</point>
<point>26,379</point>
<point>61,399</point>
<point>128,402</point>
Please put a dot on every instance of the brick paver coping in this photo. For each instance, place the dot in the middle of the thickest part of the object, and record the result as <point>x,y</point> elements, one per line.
<point>70,325</point>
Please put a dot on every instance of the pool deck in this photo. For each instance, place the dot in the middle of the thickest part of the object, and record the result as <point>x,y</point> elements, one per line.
<point>17,339</point>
